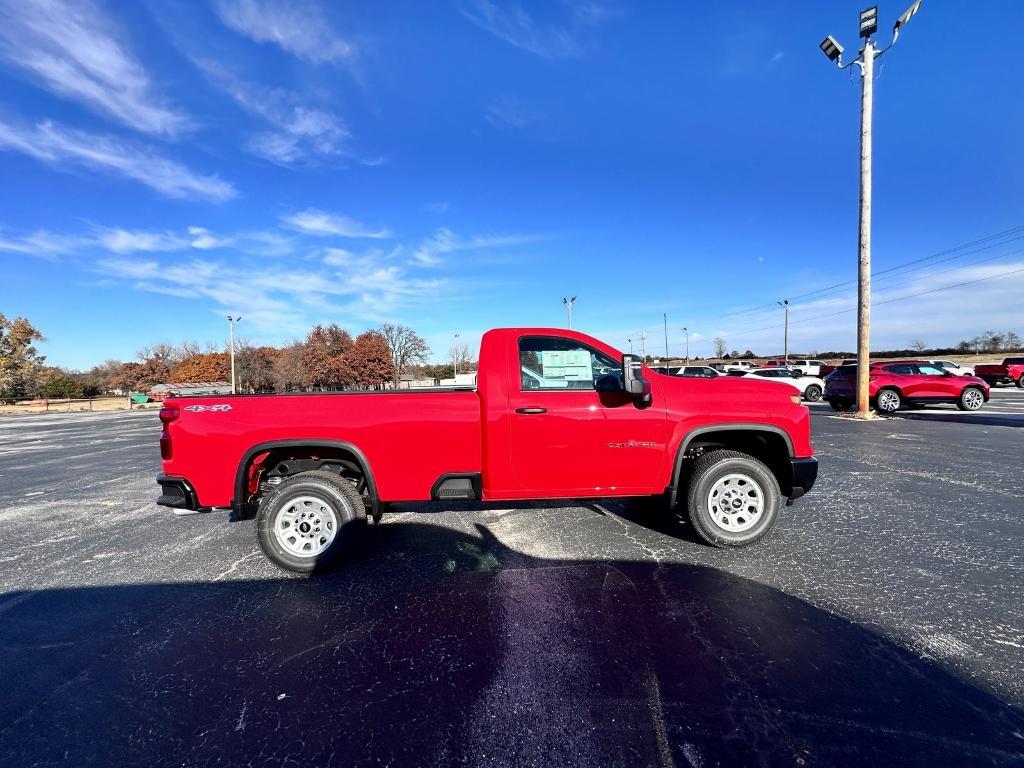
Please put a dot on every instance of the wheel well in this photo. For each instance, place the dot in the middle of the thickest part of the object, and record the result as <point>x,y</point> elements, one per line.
<point>770,447</point>
<point>265,464</point>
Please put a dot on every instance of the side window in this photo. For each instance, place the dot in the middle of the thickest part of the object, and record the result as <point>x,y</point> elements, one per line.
<point>930,370</point>
<point>551,363</point>
<point>902,370</point>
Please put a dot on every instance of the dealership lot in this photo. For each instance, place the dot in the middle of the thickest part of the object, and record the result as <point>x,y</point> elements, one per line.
<point>882,620</point>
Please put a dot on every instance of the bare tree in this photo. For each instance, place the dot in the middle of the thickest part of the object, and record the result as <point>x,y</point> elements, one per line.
<point>1011,342</point>
<point>917,345</point>
<point>719,343</point>
<point>463,357</point>
<point>406,346</point>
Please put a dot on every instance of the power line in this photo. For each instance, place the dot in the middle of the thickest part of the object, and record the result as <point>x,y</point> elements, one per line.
<point>1018,230</point>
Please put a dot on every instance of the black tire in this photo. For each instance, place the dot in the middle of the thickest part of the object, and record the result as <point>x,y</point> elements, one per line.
<point>888,400</point>
<point>971,399</point>
<point>838,406</point>
<point>709,519</point>
<point>297,497</point>
<point>1020,381</point>
<point>812,394</point>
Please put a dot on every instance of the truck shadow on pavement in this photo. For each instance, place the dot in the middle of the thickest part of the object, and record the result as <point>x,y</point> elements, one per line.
<point>438,647</point>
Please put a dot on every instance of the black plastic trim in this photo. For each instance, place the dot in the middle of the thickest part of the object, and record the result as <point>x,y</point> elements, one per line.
<point>473,477</point>
<point>805,472</point>
<point>177,493</point>
<point>711,429</point>
<point>249,455</point>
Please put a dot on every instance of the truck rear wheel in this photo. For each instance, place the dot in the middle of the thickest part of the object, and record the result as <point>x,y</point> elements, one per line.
<point>1020,381</point>
<point>733,499</point>
<point>310,521</point>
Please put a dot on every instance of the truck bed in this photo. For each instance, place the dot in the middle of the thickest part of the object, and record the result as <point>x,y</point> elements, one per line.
<point>409,437</point>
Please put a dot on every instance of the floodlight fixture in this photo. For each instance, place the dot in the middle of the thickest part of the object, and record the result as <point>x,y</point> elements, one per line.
<point>869,21</point>
<point>831,48</point>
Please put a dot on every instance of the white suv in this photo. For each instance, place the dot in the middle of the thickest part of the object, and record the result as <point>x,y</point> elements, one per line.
<point>740,365</point>
<point>807,367</point>
<point>954,368</point>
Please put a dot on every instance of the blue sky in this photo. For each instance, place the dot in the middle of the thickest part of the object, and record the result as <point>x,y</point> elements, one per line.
<point>462,165</point>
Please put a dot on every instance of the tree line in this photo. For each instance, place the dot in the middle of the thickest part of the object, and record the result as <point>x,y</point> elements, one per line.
<point>328,358</point>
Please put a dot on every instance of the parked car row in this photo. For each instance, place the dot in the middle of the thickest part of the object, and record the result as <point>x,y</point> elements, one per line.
<point>912,383</point>
<point>809,387</point>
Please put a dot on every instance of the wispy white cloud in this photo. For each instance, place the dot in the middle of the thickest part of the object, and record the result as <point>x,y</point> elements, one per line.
<point>60,147</point>
<point>40,243</point>
<point>298,26</point>
<point>511,23</point>
<point>297,134</point>
<point>125,241</point>
<point>444,241</point>
<point>439,207</point>
<point>288,298</point>
<point>73,50</point>
<point>313,221</point>
<point>506,112</point>
<point>905,306</point>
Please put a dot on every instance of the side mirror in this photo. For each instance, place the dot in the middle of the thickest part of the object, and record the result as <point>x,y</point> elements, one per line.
<point>609,383</point>
<point>633,381</point>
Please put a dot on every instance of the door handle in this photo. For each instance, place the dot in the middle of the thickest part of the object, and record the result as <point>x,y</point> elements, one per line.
<point>531,410</point>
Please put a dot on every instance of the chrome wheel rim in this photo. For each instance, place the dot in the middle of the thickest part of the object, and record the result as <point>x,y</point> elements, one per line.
<point>813,393</point>
<point>736,502</point>
<point>888,401</point>
<point>973,399</point>
<point>306,526</point>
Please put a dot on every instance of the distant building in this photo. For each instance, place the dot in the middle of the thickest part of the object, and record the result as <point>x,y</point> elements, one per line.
<point>160,391</point>
<point>412,381</point>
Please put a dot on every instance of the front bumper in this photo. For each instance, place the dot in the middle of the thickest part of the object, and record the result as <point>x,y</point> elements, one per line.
<point>805,472</point>
<point>177,492</point>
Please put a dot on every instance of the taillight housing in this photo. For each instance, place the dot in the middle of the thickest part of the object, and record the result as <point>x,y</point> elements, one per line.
<point>167,414</point>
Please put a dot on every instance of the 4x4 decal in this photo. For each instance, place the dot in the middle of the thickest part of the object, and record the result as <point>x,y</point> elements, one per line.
<point>204,408</point>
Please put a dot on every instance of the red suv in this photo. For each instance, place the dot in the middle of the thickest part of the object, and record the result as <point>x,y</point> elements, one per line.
<point>911,382</point>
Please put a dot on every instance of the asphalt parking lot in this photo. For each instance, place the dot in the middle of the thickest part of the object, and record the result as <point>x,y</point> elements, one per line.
<point>881,623</point>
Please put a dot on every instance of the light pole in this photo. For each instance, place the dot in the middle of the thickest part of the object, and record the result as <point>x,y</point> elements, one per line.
<point>231,324</point>
<point>455,355</point>
<point>687,332</point>
<point>568,308</point>
<point>785,332</point>
<point>866,61</point>
<point>643,341</point>
<point>630,346</point>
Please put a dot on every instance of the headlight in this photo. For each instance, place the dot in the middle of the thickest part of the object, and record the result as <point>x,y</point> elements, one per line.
<point>795,399</point>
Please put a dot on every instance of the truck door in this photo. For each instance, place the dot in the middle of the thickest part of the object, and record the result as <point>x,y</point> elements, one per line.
<point>568,439</point>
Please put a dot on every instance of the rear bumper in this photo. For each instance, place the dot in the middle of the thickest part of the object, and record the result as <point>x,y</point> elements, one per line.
<point>805,472</point>
<point>176,492</point>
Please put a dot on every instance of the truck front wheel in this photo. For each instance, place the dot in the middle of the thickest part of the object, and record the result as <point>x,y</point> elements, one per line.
<point>733,499</point>
<point>309,521</point>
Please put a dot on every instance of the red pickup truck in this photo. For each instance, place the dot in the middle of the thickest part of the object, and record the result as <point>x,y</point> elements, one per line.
<point>1010,372</point>
<point>555,414</point>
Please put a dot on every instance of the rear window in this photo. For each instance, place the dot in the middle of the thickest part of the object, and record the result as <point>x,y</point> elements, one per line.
<point>1014,361</point>
<point>845,371</point>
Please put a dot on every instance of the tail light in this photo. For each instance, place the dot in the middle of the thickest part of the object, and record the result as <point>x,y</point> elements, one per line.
<point>167,414</point>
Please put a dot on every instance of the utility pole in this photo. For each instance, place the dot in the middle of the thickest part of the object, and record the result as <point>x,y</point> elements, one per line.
<point>643,340</point>
<point>231,323</point>
<point>664,318</point>
<point>630,346</point>
<point>568,308</point>
<point>687,333</point>
<point>866,62</point>
<point>455,355</point>
<point>785,333</point>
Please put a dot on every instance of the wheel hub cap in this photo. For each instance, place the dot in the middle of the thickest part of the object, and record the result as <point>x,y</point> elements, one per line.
<point>306,526</point>
<point>736,502</point>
